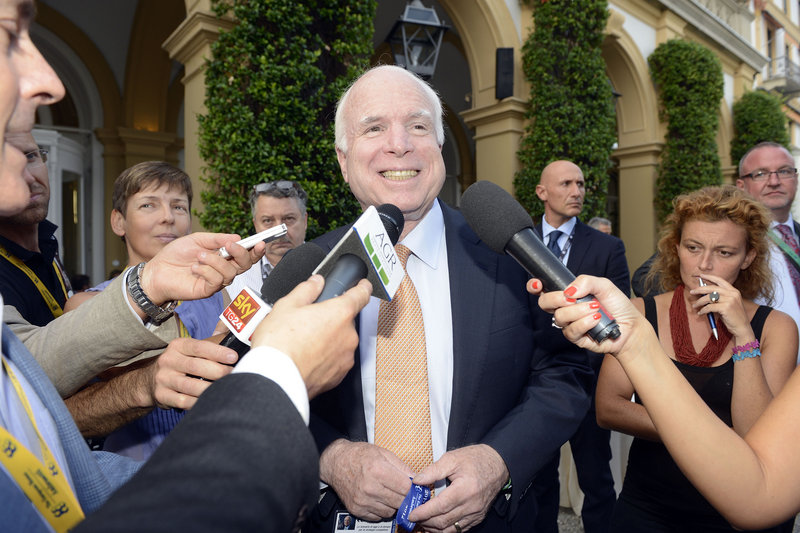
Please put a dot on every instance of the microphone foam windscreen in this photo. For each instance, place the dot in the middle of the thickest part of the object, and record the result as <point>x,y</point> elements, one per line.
<point>493,214</point>
<point>393,220</point>
<point>295,267</point>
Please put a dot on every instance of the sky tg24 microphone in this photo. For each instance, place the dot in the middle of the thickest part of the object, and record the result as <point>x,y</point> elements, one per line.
<point>247,309</point>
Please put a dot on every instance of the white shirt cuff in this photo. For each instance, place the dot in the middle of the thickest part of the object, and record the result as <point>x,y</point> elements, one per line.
<point>275,365</point>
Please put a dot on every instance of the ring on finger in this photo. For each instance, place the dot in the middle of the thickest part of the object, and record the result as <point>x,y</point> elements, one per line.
<point>553,323</point>
<point>457,526</point>
<point>714,297</point>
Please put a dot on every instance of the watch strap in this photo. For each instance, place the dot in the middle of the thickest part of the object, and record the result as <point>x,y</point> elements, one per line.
<point>156,313</point>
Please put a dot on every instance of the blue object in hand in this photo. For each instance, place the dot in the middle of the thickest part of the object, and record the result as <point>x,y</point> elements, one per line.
<point>418,495</point>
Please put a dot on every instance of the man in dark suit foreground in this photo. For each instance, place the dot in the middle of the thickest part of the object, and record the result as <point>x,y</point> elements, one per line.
<point>583,250</point>
<point>495,407</point>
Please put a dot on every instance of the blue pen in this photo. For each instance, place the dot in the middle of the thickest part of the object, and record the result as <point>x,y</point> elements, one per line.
<point>710,315</point>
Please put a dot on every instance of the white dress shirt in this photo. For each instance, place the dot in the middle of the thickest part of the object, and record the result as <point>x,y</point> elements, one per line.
<point>785,298</point>
<point>253,278</point>
<point>566,230</point>
<point>427,267</point>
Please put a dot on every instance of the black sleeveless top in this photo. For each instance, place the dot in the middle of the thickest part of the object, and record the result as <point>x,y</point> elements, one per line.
<point>654,485</point>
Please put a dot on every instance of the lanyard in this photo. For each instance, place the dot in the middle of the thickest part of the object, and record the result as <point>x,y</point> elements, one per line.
<point>785,248</point>
<point>43,483</point>
<point>54,306</point>
<point>182,331</point>
<point>567,245</point>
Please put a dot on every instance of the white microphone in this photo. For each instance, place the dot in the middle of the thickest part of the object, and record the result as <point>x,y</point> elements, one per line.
<point>366,251</point>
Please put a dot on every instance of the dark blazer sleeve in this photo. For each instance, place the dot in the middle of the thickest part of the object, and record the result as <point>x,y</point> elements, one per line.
<point>339,413</point>
<point>550,408</point>
<point>241,460</point>
<point>509,391</point>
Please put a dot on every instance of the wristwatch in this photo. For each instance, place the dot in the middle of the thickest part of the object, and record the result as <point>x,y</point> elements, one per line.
<point>157,314</point>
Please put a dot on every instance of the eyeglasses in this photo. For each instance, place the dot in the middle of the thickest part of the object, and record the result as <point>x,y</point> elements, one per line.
<point>288,188</point>
<point>281,185</point>
<point>36,158</point>
<point>782,173</point>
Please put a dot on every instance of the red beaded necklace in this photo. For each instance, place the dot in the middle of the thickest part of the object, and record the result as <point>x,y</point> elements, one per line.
<point>682,337</point>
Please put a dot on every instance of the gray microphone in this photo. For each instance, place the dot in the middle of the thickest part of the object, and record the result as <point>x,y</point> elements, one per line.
<point>504,225</point>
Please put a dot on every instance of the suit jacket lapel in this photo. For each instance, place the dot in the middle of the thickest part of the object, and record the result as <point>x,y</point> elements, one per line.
<point>349,390</point>
<point>472,270</point>
<point>578,249</point>
<point>353,394</point>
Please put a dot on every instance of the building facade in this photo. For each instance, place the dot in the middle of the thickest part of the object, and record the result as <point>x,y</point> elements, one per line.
<point>133,70</point>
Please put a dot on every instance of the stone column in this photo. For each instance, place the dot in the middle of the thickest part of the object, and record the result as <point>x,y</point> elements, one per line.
<point>498,130</point>
<point>190,44</point>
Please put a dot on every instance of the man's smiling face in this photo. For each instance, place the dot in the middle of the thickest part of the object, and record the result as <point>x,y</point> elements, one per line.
<point>392,152</point>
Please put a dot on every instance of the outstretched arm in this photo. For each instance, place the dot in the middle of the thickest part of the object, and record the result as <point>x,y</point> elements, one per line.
<point>168,381</point>
<point>752,481</point>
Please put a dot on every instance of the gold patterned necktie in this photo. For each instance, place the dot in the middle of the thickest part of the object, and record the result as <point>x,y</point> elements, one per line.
<point>402,408</point>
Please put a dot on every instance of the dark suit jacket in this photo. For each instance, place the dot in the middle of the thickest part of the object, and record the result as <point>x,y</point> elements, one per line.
<point>241,460</point>
<point>597,254</point>
<point>522,401</point>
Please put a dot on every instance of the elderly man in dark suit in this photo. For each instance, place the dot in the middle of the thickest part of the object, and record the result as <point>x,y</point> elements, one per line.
<point>583,250</point>
<point>492,407</point>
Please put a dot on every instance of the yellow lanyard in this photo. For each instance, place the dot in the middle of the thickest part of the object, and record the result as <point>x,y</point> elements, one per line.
<point>54,306</point>
<point>43,483</point>
<point>182,331</point>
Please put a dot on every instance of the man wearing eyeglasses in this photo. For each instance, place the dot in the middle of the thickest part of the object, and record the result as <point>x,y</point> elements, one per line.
<point>32,278</point>
<point>274,203</point>
<point>767,171</point>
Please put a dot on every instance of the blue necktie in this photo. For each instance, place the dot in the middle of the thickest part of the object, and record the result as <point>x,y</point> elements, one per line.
<point>552,244</point>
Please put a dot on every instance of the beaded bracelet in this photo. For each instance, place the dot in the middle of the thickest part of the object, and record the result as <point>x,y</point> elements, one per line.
<point>751,349</point>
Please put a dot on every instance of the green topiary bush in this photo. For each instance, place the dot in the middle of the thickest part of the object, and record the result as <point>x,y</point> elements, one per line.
<point>271,90</point>
<point>571,108</point>
<point>688,77</point>
<point>757,116</point>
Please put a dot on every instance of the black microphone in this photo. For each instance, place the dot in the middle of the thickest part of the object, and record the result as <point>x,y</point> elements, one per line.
<point>295,267</point>
<point>358,255</point>
<point>504,225</point>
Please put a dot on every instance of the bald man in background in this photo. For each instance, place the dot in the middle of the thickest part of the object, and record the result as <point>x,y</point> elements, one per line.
<point>584,250</point>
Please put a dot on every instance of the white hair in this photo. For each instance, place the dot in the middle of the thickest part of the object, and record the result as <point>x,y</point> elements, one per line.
<point>427,90</point>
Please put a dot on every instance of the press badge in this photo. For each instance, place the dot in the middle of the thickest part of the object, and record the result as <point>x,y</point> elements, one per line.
<point>418,495</point>
<point>347,522</point>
